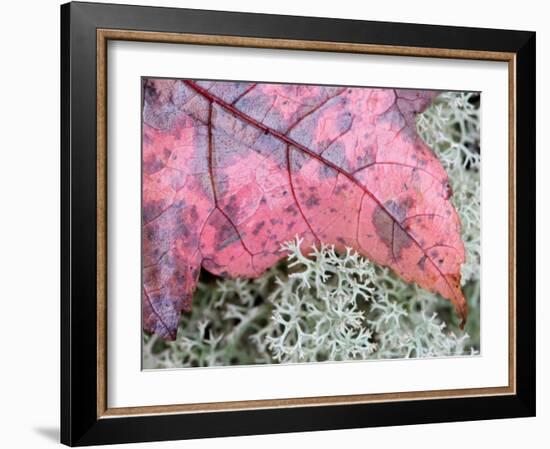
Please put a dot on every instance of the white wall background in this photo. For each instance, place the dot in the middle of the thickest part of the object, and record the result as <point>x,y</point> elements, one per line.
<point>29,228</point>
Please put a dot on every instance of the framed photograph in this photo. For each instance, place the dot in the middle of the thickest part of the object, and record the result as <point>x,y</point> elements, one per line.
<point>283,224</point>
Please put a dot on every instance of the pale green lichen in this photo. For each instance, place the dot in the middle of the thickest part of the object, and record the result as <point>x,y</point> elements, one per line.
<point>450,126</point>
<point>325,306</point>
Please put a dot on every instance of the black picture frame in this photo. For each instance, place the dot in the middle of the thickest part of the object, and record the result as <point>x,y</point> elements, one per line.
<point>81,423</point>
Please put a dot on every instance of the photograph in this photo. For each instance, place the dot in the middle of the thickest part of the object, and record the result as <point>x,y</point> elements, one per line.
<point>301,223</point>
<point>274,224</point>
<point>279,223</point>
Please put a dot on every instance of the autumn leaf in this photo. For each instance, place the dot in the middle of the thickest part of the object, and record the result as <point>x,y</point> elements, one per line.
<point>233,170</point>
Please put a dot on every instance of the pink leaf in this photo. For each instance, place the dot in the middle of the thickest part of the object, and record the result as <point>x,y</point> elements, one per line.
<point>232,170</point>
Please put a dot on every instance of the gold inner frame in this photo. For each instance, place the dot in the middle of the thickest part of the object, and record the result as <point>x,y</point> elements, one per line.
<point>103,36</point>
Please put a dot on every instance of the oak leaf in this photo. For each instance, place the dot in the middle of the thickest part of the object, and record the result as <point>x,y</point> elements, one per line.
<point>231,170</point>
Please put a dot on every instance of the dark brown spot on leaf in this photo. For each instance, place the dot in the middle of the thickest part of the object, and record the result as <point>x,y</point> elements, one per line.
<point>258,227</point>
<point>312,201</point>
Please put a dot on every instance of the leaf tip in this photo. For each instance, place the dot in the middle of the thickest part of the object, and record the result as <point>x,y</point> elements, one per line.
<point>462,311</point>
